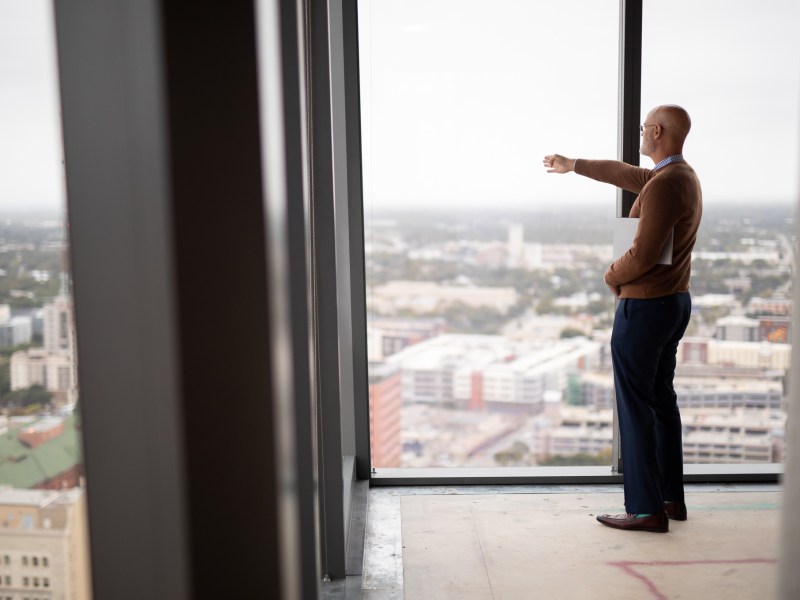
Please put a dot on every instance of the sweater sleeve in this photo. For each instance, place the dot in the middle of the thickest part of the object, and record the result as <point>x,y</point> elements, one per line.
<point>658,216</point>
<point>617,173</point>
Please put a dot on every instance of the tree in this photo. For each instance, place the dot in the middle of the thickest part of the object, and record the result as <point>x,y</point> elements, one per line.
<point>5,376</point>
<point>571,332</point>
<point>579,459</point>
<point>36,394</point>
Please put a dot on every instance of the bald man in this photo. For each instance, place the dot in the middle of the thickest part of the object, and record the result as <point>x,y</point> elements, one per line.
<point>651,317</point>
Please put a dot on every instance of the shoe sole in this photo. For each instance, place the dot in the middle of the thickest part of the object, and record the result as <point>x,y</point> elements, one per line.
<point>648,529</point>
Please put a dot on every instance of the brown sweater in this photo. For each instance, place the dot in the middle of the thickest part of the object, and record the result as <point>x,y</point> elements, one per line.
<point>669,199</point>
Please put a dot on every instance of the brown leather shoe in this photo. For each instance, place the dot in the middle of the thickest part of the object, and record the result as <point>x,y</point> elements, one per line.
<point>676,511</point>
<point>658,523</point>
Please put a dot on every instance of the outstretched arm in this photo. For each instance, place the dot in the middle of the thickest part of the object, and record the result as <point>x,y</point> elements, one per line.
<point>614,172</point>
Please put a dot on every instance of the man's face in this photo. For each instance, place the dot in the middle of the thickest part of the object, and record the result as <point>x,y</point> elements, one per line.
<point>648,144</point>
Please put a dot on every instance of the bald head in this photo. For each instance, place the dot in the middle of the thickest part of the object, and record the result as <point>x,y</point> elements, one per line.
<point>666,129</point>
<point>675,121</point>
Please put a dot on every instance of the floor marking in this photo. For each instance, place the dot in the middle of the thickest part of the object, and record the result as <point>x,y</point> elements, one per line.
<point>628,567</point>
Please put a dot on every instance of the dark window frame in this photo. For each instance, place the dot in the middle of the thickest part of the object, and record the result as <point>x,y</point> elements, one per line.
<point>629,110</point>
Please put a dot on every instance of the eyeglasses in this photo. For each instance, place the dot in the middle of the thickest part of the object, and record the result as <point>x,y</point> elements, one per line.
<point>641,127</point>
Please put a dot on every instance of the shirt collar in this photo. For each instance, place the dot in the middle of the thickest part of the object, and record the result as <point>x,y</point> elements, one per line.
<point>668,160</point>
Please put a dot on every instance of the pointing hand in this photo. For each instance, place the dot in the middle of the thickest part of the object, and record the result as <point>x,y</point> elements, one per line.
<point>555,163</point>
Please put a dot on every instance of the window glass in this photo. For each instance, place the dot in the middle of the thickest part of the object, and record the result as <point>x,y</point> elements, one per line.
<point>488,319</point>
<point>735,70</point>
<point>41,460</point>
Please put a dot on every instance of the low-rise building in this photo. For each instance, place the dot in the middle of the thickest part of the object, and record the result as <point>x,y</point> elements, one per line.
<point>763,355</point>
<point>709,435</point>
<point>44,544</point>
<point>733,436</point>
<point>597,392</point>
<point>16,331</point>
<point>770,306</point>
<point>492,372</point>
<point>53,371</point>
<point>429,297</point>
<point>41,453</point>
<point>734,328</point>
<point>387,336</point>
<point>385,411</point>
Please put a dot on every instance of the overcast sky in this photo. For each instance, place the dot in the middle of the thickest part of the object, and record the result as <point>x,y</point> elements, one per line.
<point>462,98</point>
<point>31,172</point>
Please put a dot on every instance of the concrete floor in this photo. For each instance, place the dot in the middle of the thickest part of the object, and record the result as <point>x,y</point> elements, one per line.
<point>510,542</point>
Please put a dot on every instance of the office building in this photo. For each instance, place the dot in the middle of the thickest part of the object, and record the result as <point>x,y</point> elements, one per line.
<point>45,544</point>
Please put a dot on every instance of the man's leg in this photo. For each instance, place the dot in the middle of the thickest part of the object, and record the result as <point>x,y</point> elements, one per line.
<point>668,418</point>
<point>642,330</point>
<point>633,378</point>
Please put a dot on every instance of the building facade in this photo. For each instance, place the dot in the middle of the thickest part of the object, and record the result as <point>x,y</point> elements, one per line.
<point>44,545</point>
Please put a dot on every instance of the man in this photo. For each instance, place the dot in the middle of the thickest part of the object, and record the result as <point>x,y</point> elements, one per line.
<point>651,317</point>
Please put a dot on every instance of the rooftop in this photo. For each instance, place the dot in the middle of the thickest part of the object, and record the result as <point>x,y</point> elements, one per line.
<point>23,467</point>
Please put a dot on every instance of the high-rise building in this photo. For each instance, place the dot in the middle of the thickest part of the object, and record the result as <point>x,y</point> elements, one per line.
<point>58,326</point>
<point>44,544</point>
<point>53,365</point>
<point>516,245</point>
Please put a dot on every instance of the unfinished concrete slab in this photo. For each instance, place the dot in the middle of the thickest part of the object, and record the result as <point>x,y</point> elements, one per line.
<point>515,546</point>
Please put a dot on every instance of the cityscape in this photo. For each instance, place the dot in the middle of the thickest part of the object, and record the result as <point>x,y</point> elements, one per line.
<point>488,346</point>
<point>44,546</point>
<point>488,338</point>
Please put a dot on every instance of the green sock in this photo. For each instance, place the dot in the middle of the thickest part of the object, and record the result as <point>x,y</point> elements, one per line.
<point>640,515</point>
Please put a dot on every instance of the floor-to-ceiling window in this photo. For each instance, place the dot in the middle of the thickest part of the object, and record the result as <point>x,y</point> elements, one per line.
<point>733,66</point>
<point>488,319</point>
<point>43,524</point>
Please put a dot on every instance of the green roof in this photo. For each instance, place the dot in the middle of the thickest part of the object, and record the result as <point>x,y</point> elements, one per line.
<point>23,467</point>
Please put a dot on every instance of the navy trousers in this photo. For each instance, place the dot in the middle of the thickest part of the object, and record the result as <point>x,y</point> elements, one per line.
<point>644,344</point>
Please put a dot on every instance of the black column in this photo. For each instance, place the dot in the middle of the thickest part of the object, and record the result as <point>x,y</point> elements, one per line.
<point>630,103</point>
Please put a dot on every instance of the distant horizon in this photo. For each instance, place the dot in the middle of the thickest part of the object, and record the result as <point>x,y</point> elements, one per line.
<point>559,203</point>
<point>18,213</point>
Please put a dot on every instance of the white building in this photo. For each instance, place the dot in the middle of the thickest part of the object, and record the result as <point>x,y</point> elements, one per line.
<point>516,245</point>
<point>35,366</point>
<point>597,392</point>
<point>738,436</point>
<point>483,371</point>
<point>764,355</point>
<point>709,435</point>
<point>58,325</point>
<point>52,366</point>
<point>734,328</point>
<point>577,430</point>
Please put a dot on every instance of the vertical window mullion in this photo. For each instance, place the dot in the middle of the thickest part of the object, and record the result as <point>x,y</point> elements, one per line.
<point>630,101</point>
